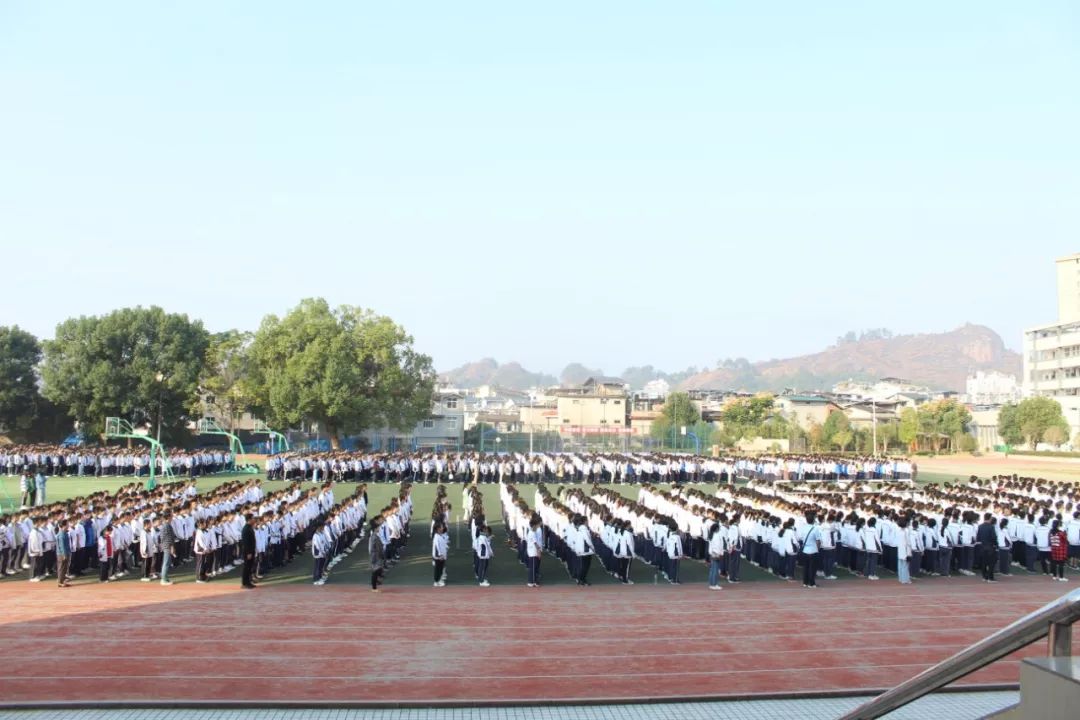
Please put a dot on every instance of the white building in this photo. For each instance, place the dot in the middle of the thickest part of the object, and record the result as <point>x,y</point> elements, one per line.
<point>882,390</point>
<point>1052,352</point>
<point>991,388</point>
<point>656,389</point>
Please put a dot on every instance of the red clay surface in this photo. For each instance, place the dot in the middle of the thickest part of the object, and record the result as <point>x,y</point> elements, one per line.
<point>194,643</point>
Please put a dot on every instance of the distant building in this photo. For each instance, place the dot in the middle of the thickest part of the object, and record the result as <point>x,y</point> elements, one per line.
<point>443,429</point>
<point>657,389</point>
<point>1051,353</point>
<point>884,389</point>
<point>805,410</point>
<point>991,388</point>
<point>984,426</point>
<point>596,407</point>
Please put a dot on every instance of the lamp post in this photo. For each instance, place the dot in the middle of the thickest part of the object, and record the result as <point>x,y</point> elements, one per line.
<point>161,386</point>
<point>532,421</point>
<point>498,442</point>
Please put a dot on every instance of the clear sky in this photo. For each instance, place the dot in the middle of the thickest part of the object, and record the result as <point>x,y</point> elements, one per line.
<point>615,183</point>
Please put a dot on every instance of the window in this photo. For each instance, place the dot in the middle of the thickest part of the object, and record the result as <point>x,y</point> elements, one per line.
<point>617,402</point>
<point>451,423</point>
<point>427,424</point>
<point>451,403</point>
<point>566,421</point>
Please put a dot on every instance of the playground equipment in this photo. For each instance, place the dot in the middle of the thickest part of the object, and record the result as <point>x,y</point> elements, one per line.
<point>278,442</point>
<point>119,428</point>
<point>208,426</point>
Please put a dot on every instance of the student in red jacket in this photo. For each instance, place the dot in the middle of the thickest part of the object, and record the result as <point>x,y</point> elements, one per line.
<point>1059,552</point>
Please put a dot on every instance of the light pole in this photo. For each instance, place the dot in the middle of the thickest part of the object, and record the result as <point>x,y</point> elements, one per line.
<point>498,442</point>
<point>161,386</point>
<point>873,410</point>
<point>532,421</point>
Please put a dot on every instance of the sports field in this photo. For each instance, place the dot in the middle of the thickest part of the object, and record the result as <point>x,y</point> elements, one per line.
<point>339,644</point>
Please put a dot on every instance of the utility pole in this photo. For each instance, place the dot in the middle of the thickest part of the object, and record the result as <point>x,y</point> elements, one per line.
<point>873,409</point>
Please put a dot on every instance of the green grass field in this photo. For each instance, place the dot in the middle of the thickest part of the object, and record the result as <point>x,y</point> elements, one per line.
<point>415,568</point>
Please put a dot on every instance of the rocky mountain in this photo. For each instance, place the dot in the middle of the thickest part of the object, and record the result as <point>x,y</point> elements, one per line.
<point>489,372</point>
<point>940,360</point>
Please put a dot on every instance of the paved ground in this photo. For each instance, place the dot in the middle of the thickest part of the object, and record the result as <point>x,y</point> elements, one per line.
<point>954,706</point>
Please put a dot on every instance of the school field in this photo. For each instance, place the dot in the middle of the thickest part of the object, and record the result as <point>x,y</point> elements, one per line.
<point>288,642</point>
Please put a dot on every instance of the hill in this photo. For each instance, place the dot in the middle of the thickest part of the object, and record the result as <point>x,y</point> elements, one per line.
<point>489,372</point>
<point>941,360</point>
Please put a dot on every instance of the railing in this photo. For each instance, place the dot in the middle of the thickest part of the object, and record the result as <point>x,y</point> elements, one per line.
<point>1053,620</point>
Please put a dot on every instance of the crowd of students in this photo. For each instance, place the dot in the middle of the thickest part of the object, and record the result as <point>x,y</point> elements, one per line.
<point>518,468</point>
<point>60,461</point>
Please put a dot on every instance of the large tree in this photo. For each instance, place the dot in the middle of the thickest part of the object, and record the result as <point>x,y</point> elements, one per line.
<point>141,364</point>
<point>1030,420</point>
<point>19,356</point>
<point>226,380</point>
<point>346,369</point>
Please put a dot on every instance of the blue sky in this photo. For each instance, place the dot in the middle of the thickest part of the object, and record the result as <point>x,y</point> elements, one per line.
<point>615,183</point>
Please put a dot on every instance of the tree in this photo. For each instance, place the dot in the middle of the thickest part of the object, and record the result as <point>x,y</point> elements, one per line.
<point>1031,419</point>
<point>225,378</point>
<point>679,410</point>
<point>1055,435</point>
<point>19,356</point>
<point>98,367</point>
<point>967,443</point>
<point>347,369</point>
<point>836,422</point>
<point>1009,425</point>
<point>908,432</point>
<point>842,439</point>
<point>887,433</point>
<point>747,416</point>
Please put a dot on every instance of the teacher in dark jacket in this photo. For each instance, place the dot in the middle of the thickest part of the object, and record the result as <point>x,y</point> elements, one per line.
<point>986,537</point>
<point>247,548</point>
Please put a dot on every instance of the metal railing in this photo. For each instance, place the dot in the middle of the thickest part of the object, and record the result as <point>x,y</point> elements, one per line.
<point>1053,620</point>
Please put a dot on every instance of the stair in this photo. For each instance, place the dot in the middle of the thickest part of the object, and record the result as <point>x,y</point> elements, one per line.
<point>1049,690</point>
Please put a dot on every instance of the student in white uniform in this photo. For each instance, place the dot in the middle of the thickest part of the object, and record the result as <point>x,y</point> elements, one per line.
<point>484,553</point>
<point>440,548</point>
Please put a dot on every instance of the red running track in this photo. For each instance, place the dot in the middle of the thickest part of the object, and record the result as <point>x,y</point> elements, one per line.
<point>213,644</point>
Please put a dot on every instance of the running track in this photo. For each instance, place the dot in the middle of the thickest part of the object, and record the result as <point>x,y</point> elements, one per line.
<point>416,645</point>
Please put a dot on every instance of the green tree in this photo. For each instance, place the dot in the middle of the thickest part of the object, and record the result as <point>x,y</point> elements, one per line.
<point>104,366</point>
<point>678,411</point>
<point>836,422</point>
<point>19,400</point>
<point>347,369</point>
<point>748,414</point>
<point>887,434</point>
<point>966,443</point>
<point>908,430</point>
<point>842,438</point>
<point>1009,424</point>
<point>226,375</point>
<point>1055,435</point>
<point>1033,417</point>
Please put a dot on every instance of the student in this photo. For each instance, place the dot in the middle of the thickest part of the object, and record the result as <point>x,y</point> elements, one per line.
<point>105,553</point>
<point>583,548</point>
<point>204,552</point>
<point>26,490</point>
<point>1042,543</point>
<point>319,555</point>
<point>674,550</point>
<point>440,548</point>
<point>63,553</point>
<point>903,551</point>
<point>39,487</point>
<point>166,543</point>
<point>735,549</point>
<point>717,554</point>
<point>624,550</point>
<point>871,547</point>
<point>484,552</point>
<point>534,546</point>
<point>376,552</point>
<point>1059,551</point>
<point>810,545</point>
<point>148,549</point>
<point>1072,533</point>
<point>1004,547</point>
